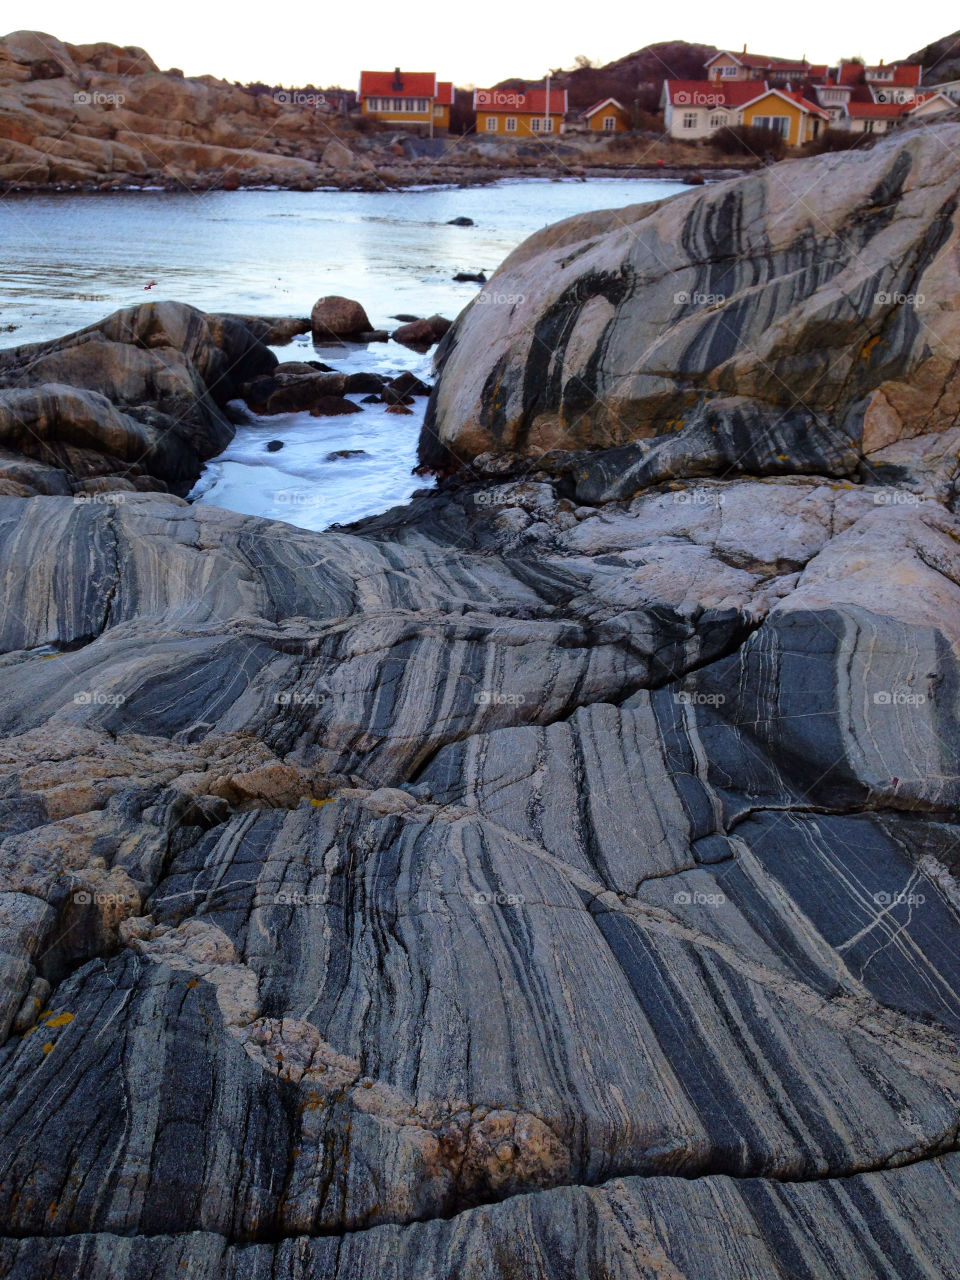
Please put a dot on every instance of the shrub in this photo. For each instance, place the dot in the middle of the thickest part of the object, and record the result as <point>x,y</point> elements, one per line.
<point>747,140</point>
<point>837,140</point>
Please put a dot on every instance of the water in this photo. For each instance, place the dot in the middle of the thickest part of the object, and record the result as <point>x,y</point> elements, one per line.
<point>69,260</point>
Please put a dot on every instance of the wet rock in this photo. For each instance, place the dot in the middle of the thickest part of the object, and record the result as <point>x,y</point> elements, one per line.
<point>332,406</point>
<point>419,335</point>
<point>346,453</point>
<point>464,277</point>
<point>336,317</point>
<point>461,221</point>
<point>274,446</point>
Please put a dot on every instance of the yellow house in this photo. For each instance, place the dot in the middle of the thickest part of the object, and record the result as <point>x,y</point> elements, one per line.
<point>404,97</point>
<point>520,113</point>
<point>608,116</point>
<point>442,104</point>
<point>790,114</point>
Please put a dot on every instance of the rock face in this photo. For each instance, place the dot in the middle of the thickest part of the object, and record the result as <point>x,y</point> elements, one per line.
<point>161,373</point>
<point>801,319</point>
<point>509,885</point>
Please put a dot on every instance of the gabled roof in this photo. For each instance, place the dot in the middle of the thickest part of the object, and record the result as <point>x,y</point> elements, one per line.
<point>712,93</point>
<point>598,106</point>
<point>520,101</point>
<point>444,93</point>
<point>797,99</point>
<point>383,84</point>
<point>921,99</point>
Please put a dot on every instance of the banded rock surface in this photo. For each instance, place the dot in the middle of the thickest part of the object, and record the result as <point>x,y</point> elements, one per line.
<point>802,319</point>
<point>497,876</point>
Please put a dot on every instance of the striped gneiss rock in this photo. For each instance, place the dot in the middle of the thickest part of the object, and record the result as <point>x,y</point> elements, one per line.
<point>790,321</point>
<point>500,887</point>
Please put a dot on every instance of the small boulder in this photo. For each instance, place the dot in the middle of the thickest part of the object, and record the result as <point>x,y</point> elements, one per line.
<point>399,408</point>
<point>405,384</point>
<point>371,400</point>
<point>374,335</point>
<point>274,445</point>
<point>460,222</point>
<point>346,453</point>
<point>464,277</point>
<point>404,318</point>
<point>439,325</point>
<point>335,317</point>
<point>419,334</point>
<point>363,382</point>
<point>333,406</point>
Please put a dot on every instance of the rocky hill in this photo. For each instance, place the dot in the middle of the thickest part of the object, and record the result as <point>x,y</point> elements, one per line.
<point>940,60</point>
<point>556,877</point>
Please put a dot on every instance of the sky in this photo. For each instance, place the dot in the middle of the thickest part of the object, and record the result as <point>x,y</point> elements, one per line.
<point>472,44</point>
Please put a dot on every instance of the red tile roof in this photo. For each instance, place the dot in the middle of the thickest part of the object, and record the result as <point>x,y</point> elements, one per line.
<point>713,93</point>
<point>903,73</point>
<point>382,84</point>
<point>445,93</point>
<point>875,110</point>
<point>521,101</point>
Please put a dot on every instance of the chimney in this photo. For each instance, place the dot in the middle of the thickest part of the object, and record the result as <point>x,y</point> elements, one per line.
<point>397,80</point>
<point>744,48</point>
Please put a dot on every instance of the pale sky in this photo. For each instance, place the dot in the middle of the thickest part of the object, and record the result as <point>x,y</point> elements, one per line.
<point>325,44</point>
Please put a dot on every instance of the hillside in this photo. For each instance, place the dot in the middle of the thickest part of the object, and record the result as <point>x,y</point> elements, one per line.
<point>940,60</point>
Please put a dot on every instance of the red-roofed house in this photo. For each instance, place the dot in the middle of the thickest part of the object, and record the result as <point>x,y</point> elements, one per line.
<point>731,67</point>
<point>514,113</point>
<point>879,117</point>
<point>694,109</point>
<point>606,116</point>
<point>406,97</point>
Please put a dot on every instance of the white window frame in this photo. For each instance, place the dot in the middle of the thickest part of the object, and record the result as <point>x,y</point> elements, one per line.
<point>491,125</point>
<point>690,120</point>
<point>548,124</point>
<point>779,124</point>
<point>609,124</point>
<point>535,124</point>
<point>729,71</point>
<point>510,124</point>
<point>718,120</point>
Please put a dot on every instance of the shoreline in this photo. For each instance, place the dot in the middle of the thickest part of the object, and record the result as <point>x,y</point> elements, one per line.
<point>649,173</point>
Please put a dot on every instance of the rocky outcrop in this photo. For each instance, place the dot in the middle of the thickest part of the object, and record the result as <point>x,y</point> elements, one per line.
<point>805,318</point>
<point>510,884</point>
<point>160,374</point>
<point>336,317</point>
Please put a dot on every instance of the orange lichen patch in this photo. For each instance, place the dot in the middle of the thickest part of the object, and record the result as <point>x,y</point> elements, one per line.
<point>318,803</point>
<point>60,1020</point>
<point>194,982</point>
<point>48,1046</point>
<point>867,348</point>
<point>52,1211</point>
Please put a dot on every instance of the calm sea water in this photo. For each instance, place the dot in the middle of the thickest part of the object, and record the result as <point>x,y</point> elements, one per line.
<point>69,260</point>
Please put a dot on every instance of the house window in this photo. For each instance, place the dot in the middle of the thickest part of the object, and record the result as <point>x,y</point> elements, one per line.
<point>609,124</point>
<point>868,126</point>
<point>491,124</point>
<point>718,121</point>
<point>511,124</point>
<point>535,124</point>
<point>421,105</point>
<point>438,110</point>
<point>548,125</point>
<point>779,124</point>
<point>729,72</point>
<point>690,119</point>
